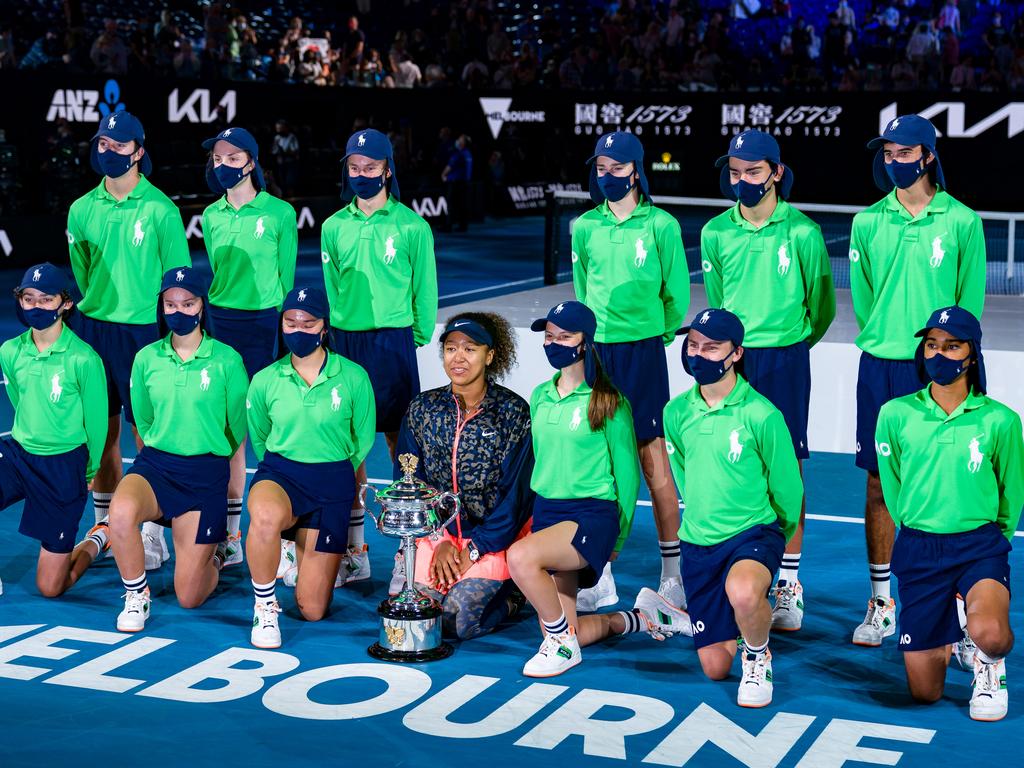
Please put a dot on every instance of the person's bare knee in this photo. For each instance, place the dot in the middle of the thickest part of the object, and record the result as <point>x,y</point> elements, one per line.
<point>654,464</point>
<point>743,597</point>
<point>51,584</point>
<point>716,662</point>
<point>925,692</point>
<point>519,558</point>
<point>312,609</point>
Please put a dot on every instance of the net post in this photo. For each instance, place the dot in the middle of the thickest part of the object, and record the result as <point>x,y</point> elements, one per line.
<point>550,238</point>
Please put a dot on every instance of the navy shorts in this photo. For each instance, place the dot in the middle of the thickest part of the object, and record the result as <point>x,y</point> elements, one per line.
<point>878,382</point>
<point>321,495</point>
<point>186,483</point>
<point>596,533</point>
<point>116,344</point>
<point>932,569</point>
<point>783,375</point>
<point>388,355</point>
<point>705,570</point>
<point>639,370</point>
<point>53,488</point>
<point>251,333</point>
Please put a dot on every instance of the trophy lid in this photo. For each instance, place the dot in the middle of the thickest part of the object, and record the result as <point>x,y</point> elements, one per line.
<point>409,488</point>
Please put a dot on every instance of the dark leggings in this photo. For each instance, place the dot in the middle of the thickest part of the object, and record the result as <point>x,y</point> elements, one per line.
<point>473,607</point>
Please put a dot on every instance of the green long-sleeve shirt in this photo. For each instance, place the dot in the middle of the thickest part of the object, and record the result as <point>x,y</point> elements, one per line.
<point>379,270</point>
<point>120,250</point>
<point>734,465</point>
<point>252,251</point>
<point>59,396</point>
<point>903,268</point>
<point>776,278</point>
<point>951,473</point>
<point>631,273</point>
<point>190,407</point>
<point>574,462</point>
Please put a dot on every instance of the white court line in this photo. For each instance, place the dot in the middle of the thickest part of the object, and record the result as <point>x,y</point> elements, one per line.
<point>641,503</point>
<point>497,286</point>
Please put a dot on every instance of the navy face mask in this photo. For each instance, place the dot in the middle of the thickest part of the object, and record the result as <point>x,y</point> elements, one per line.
<point>749,194</point>
<point>180,323</point>
<point>302,344</point>
<point>39,318</point>
<point>706,371</point>
<point>944,371</point>
<point>561,356</point>
<point>229,177</point>
<point>114,165</point>
<point>614,188</point>
<point>367,187</point>
<point>904,175</point>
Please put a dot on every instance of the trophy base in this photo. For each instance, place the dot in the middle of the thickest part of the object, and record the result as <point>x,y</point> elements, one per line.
<point>443,651</point>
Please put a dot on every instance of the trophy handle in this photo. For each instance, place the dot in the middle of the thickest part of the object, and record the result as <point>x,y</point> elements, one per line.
<point>447,498</point>
<point>364,488</point>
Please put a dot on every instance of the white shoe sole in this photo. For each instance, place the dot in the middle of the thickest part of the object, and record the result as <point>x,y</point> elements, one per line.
<point>267,647</point>
<point>562,671</point>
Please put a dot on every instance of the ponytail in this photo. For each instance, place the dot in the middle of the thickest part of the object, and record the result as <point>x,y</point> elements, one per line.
<point>604,398</point>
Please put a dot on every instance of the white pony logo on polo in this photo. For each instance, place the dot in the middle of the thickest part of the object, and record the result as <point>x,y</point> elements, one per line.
<point>259,228</point>
<point>302,295</point>
<point>204,379</point>
<point>335,399</point>
<point>362,140</point>
<point>37,276</point>
<point>389,250</point>
<point>735,446</point>
<point>577,419</point>
<point>179,276</point>
<point>641,253</point>
<point>784,261</point>
<point>56,390</point>
<point>140,235</point>
<point>944,317</point>
<point>977,457</point>
<point>938,254</point>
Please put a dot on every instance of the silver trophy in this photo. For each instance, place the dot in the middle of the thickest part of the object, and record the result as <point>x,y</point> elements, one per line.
<point>410,622</point>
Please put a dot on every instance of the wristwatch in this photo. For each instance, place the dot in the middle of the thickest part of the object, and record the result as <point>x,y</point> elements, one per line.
<point>474,553</point>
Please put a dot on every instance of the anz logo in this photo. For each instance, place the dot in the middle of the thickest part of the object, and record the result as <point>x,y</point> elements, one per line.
<point>84,106</point>
<point>956,123</point>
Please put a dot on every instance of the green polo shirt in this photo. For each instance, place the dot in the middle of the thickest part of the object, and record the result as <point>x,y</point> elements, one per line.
<point>252,251</point>
<point>574,462</point>
<point>631,273</point>
<point>334,419</point>
<point>379,270</point>
<point>190,407</point>
<point>903,268</point>
<point>734,465</point>
<point>120,250</point>
<point>951,473</point>
<point>59,396</point>
<point>776,278</point>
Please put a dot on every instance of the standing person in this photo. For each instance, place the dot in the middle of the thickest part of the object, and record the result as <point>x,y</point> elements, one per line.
<point>916,249</point>
<point>732,456</point>
<point>628,262</point>
<point>457,174</point>
<point>766,261</point>
<point>586,480</point>
<point>123,236</point>
<point>285,153</point>
<point>311,419</point>
<point>188,392</point>
<point>58,389</point>
<point>251,238</point>
<point>381,280</point>
<point>951,463</point>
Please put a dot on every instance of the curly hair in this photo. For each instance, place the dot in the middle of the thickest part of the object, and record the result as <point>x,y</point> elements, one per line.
<point>504,337</point>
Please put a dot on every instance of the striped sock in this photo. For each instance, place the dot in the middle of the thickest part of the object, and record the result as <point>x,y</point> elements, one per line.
<point>749,647</point>
<point>790,566</point>
<point>879,580</point>
<point>138,584</point>
<point>98,538</point>
<point>234,518</point>
<point>356,527</point>
<point>557,627</point>
<point>101,505</point>
<point>265,592</point>
<point>669,559</point>
<point>634,623</point>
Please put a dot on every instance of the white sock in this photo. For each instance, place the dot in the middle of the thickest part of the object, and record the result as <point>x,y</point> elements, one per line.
<point>265,592</point>
<point>985,658</point>
<point>101,505</point>
<point>135,585</point>
<point>356,527</point>
<point>879,580</point>
<point>669,559</point>
<point>749,647</point>
<point>633,621</point>
<point>790,567</point>
<point>557,627</point>
<point>234,518</point>
<point>97,538</point>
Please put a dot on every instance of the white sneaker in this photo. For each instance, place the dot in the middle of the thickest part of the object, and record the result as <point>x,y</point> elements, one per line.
<point>672,590</point>
<point>287,557</point>
<point>136,611</point>
<point>265,631</point>
<point>155,546</point>
<point>990,699</point>
<point>397,574</point>
<point>756,684</point>
<point>355,564</point>
<point>964,651</point>
<point>557,654</point>
<point>663,619</point>
<point>788,612</point>
<point>234,552</point>
<point>600,595</point>
<point>879,623</point>
<point>291,576</point>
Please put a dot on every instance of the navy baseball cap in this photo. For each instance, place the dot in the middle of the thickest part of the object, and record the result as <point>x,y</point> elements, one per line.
<point>716,324</point>
<point>471,328</point>
<point>123,127</point>
<point>962,325</point>
<point>753,146</point>
<point>573,316</point>
<point>908,130</point>
<point>312,301</point>
<point>375,145</point>
<point>45,277</point>
<point>622,147</point>
<point>241,138</point>
<point>184,277</point>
